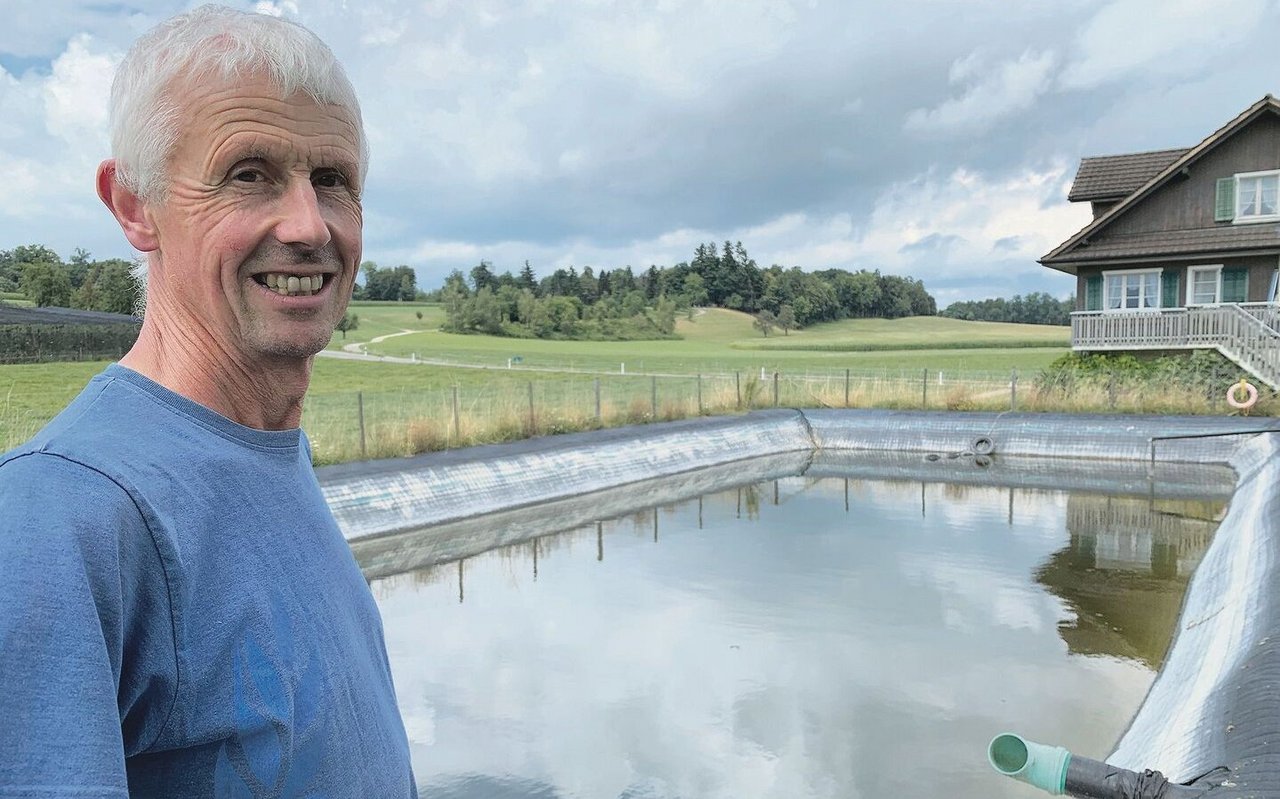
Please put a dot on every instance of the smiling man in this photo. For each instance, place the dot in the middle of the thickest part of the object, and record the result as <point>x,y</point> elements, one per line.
<point>181,616</point>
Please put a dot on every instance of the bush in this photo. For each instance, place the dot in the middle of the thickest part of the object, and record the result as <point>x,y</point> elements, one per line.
<point>1157,384</point>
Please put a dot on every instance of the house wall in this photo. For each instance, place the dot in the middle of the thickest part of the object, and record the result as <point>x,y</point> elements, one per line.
<point>1100,207</point>
<point>1260,268</point>
<point>1187,203</point>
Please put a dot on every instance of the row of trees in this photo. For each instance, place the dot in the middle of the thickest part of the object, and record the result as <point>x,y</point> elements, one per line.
<point>727,277</point>
<point>389,283</point>
<point>617,303</point>
<point>1037,308</point>
<point>504,307</point>
<point>42,276</point>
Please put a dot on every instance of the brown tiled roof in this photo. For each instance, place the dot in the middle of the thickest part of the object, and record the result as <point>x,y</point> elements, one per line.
<point>1114,177</point>
<point>1174,243</point>
<point>1066,254</point>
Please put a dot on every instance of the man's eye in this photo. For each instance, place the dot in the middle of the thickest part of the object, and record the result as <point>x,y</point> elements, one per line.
<point>330,179</point>
<point>247,176</point>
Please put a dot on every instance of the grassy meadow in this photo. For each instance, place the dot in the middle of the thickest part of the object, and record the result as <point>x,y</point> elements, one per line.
<point>384,318</point>
<point>721,341</point>
<point>461,392</point>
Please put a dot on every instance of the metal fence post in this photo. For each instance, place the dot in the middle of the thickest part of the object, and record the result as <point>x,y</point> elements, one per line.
<point>737,387</point>
<point>457,421</point>
<point>360,412</point>
<point>699,394</point>
<point>846,388</point>
<point>924,388</point>
<point>653,396</point>
<point>775,389</point>
<point>533,420</point>
<point>1013,390</point>
<point>598,416</point>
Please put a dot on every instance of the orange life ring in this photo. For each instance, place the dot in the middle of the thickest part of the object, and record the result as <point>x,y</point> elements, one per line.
<point>1250,395</point>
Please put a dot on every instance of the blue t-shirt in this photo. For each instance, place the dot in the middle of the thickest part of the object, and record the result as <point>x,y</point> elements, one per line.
<point>180,615</point>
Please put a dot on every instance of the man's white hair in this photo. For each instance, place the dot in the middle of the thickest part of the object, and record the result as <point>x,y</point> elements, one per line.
<point>212,43</point>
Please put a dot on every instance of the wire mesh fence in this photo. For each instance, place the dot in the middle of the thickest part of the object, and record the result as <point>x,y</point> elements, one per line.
<point>503,405</point>
<point>373,424</point>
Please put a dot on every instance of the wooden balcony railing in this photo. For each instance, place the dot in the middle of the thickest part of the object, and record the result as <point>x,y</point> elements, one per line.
<point>1248,334</point>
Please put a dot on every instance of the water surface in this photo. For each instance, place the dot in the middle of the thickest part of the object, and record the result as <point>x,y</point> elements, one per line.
<point>803,637</point>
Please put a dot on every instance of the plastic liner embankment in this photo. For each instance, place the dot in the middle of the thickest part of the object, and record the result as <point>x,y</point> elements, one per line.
<point>1043,435</point>
<point>384,555</point>
<point>1094,476</point>
<point>1217,700</point>
<point>390,496</point>
<point>385,497</point>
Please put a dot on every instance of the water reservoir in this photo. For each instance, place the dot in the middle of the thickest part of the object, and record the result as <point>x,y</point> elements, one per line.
<point>845,626</point>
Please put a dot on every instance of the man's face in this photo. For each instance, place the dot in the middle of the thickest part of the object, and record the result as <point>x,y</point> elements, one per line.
<point>259,236</point>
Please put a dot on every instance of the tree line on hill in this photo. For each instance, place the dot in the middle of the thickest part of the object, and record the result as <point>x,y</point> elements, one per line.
<point>43,277</point>
<point>610,304</point>
<point>620,303</point>
<point>1037,308</point>
<point>393,283</point>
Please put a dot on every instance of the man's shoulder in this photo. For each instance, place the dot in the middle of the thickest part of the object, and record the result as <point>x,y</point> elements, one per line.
<point>104,417</point>
<point>117,427</point>
<point>99,452</point>
<point>59,509</point>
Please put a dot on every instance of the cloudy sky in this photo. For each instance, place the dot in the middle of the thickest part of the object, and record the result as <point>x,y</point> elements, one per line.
<point>934,138</point>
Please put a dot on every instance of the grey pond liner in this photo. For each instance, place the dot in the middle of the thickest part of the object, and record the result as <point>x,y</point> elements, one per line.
<point>1216,702</point>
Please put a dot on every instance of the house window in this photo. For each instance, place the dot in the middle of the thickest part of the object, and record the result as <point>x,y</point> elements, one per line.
<point>1132,289</point>
<point>1256,196</point>
<point>1204,285</point>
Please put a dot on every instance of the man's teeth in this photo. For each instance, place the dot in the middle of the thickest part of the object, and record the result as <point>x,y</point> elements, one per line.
<point>294,285</point>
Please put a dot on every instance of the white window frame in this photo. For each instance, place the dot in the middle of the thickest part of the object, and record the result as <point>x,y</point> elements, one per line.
<point>1125,274</point>
<point>1241,219</point>
<point>1191,283</point>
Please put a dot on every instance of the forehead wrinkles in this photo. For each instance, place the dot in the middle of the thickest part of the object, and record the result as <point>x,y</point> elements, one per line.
<point>254,116</point>
<point>233,143</point>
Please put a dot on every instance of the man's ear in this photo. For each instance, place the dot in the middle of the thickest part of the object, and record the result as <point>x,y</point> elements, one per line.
<point>129,209</point>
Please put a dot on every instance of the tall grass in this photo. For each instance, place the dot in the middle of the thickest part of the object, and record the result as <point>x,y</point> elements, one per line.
<point>410,422</point>
<point>411,409</point>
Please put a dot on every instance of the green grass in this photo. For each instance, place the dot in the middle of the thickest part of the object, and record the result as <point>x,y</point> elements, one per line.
<point>385,318</point>
<point>410,407</point>
<point>725,342</point>
<point>16,298</point>
<point>912,333</point>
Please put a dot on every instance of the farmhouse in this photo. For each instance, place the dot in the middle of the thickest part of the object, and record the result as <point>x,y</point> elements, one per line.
<point>1183,249</point>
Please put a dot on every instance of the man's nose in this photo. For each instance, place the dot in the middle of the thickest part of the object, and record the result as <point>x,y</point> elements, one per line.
<point>301,222</point>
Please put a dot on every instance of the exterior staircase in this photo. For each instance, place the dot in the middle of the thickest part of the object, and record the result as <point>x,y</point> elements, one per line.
<point>1246,333</point>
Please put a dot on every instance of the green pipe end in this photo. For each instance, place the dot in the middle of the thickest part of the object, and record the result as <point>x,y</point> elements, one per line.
<point>1043,766</point>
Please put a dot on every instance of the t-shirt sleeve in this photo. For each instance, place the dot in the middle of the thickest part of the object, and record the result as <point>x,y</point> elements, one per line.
<point>86,644</point>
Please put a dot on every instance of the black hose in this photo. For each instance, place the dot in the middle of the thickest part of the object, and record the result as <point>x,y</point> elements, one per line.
<point>1093,779</point>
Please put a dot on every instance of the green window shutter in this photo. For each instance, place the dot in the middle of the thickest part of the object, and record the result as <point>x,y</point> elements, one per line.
<point>1224,207</point>
<point>1169,289</point>
<point>1093,293</point>
<point>1235,284</point>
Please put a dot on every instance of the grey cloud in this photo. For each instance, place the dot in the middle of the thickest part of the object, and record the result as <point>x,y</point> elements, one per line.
<point>934,243</point>
<point>1007,88</point>
<point>578,127</point>
<point>1007,244</point>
